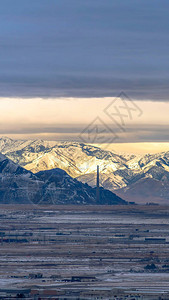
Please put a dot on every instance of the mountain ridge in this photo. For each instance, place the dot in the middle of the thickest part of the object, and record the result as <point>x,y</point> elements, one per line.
<point>118,173</point>
<point>20,186</point>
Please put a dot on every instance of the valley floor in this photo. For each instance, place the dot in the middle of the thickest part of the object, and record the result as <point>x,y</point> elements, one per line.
<point>84,252</point>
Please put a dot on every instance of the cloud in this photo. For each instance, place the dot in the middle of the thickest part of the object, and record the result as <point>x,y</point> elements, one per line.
<point>67,118</point>
<point>141,89</point>
<point>84,48</point>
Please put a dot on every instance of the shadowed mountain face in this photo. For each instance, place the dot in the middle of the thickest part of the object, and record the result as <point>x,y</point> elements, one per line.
<point>123,174</point>
<point>59,185</point>
<point>152,190</point>
<point>18,185</point>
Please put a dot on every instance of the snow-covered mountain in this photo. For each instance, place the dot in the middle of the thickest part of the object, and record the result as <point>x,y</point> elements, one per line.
<point>118,172</point>
<point>18,185</point>
<point>77,159</point>
<point>151,180</point>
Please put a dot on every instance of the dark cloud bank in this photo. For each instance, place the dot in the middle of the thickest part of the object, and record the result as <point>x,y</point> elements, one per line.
<point>84,48</point>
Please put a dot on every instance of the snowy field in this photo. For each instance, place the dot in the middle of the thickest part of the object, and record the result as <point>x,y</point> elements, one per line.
<point>124,249</point>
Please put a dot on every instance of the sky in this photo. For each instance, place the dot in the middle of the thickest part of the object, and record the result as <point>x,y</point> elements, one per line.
<point>62,60</point>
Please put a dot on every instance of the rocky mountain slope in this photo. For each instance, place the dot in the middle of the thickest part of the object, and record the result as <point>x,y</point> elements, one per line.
<point>18,185</point>
<point>59,185</point>
<point>121,173</point>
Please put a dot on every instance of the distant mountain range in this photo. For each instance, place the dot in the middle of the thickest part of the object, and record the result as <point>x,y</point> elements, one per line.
<point>20,186</point>
<point>133,177</point>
